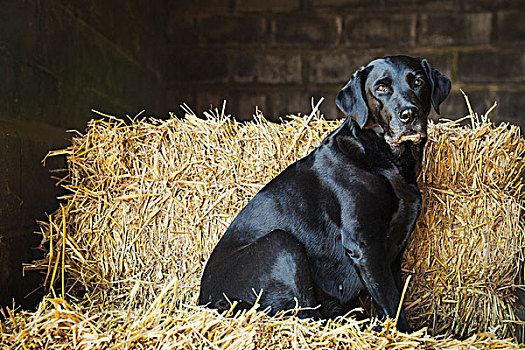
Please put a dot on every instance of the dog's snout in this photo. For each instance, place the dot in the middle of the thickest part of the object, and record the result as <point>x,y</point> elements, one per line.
<point>408,114</point>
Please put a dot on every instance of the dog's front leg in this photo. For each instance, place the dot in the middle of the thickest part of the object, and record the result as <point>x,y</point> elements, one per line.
<point>396,271</point>
<point>376,275</point>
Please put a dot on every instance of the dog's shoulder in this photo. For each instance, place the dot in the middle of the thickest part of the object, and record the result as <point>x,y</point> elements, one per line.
<point>351,146</point>
<point>345,140</point>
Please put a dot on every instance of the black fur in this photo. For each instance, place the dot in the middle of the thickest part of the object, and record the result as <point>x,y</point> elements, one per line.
<point>336,223</point>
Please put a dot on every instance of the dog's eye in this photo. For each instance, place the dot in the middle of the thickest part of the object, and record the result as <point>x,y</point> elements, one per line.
<point>418,82</point>
<point>381,88</point>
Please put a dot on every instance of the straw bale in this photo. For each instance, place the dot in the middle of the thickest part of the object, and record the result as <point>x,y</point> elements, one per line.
<point>149,199</point>
<point>467,250</point>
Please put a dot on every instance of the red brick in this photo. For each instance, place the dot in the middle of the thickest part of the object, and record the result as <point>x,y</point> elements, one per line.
<point>379,31</point>
<point>421,5</point>
<point>492,66</point>
<point>267,5</point>
<point>335,68</point>
<point>315,31</point>
<point>454,29</point>
<point>234,30</point>
<point>271,69</point>
<point>199,7</point>
<point>510,27</point>
<point>201,65</point>
<point>347,3</point>
<point>469,5</point>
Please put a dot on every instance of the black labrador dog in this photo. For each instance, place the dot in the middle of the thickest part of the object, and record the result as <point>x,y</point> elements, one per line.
<point>335,223</point>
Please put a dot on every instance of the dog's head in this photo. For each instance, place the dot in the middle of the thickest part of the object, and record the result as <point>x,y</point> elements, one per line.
<point>394,95</point>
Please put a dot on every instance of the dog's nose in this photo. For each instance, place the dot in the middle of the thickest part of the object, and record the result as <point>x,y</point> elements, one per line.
<point>408,114</point>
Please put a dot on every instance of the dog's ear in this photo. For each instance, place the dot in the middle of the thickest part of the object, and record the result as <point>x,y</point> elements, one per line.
<point>439,85</point>
<point>352,100</point>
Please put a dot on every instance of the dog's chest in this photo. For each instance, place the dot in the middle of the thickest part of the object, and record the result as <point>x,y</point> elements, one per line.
<point>407,211</point>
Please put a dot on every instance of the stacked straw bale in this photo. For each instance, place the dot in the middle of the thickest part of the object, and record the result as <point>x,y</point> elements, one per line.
<point>467,250</point>
<point>149,199</point>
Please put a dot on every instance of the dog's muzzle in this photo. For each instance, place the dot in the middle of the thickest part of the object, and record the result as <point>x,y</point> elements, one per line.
<point>414,138</point>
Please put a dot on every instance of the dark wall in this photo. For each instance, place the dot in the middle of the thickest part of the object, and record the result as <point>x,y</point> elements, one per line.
<point>59,59</point>
<point>276,54</point>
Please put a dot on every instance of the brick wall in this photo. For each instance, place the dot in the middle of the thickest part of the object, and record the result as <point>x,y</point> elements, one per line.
<point>59,59</point>
<point>277,54</point>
